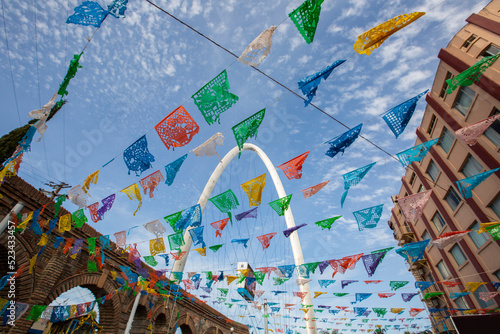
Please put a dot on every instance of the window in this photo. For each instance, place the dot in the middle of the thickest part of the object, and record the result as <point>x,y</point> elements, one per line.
<point>433,170</point>
<point>481,302</point>
<point>493,132</point>
<point>491,50</point>
<point>471,167</point>
<point>495,206</point>
<point>421,188</point>
<point>445,87</point>
<point>438,221</point>
<point>446,140</point>
<point>461,303</point>
<point>426,235</point>
<point>464,99</point>
<point>443,270</point>
<point>497,274</point>
<point>412,178</point>
<point>469,41</point>
<point>432,123</point>
<point>458,255</point>
<point>452,199</point>
<point>477,239</point>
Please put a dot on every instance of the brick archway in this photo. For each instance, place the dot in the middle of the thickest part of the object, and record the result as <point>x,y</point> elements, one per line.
<point>109,312</point>
<point>186,324</point>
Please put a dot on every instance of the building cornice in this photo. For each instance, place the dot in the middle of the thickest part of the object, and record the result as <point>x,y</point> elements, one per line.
<point>485,23</point>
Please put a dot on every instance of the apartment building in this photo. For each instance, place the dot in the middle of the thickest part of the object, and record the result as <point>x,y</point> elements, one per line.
<point>476,258</point>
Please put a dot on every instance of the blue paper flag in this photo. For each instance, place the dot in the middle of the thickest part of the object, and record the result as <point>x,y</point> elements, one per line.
<point>165,257</point>
<point>415,153</point>
<point>117,8</point>
<point>340,143</point>
<point>287,270</point>
<point>398,117</point>
<point>324,283</point>
<point>414,251</point>
<point>466,185</point>
<point>362,296</point>
<point>352,179</point>
<point>190,217</point>
<point>137,156</point>
<point>172,168</point>
<point>309,85</point>
<point>197,236</point>
<point>369,217</point>
<point>359,311</point>
<point>89,13</point>
<point>241,241</point>
<point>422,285</point>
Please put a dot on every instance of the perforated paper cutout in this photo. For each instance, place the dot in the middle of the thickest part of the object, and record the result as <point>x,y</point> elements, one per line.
<point>155,227</point>
<point>306,17</point>
<point>77,196</point>
<point>172,169</point>
<point>254,188</point>
<point>137,156</point>
<point>214,98</point>
<point>308,192</point>
<point>177,129</point>
<point>369,217</point>
<point>225,201</point>
<point>413,205</point>
<point>74,65</point>
<point>398,117</point>
<point>340,143</point>
<point>281,204</point>
<point>266,239</point>
<point>258,49</point>
<point>309,85</point>
<point>373,38</point>
<point>293,167</point>
<point>208,148</point>
<point>416,153</point>
<point>472,74</point>
<point>248,128</point>
<point>219,226</point>
<point>133,193</point>
<point>352,179</point>
<point>150,182</point>
<point>89,13</point>
<point>466,185</point>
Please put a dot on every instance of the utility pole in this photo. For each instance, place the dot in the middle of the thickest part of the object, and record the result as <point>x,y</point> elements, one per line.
<point>57,186</point>
<point>265,314</point>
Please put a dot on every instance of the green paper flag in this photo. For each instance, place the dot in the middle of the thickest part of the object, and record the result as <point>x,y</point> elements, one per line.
<point>35,312</point>
<point>57,205</point>
<point>79,218</point>
<point>91,243</point>
<point>281,204</point>
<point>327,223</point>
<point>214,98</point>
<point>340,294</point>
<point>306,18</point>
<point>259,277</point>
<point>74,65</point>
<point>248,128</point>
<point>215,248</point>
<point>471,75</point>
<point>279,280</point>
<point>92,266</point>
<point>311,267</point>
<point>226,201</point>
<point>176,241</point>
<point>494,231</point>
<point>432,294</point>
<point>397,284</point>
<point>209,275</point>
<point>223,292</point>
<point>173,219</point>
<point>150,260</point>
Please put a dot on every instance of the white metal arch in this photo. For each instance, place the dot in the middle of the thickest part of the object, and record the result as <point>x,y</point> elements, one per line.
<point>290,222</point>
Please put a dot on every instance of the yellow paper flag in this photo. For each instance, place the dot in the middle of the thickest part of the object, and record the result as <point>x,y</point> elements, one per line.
<point>65,223</point>
<point>133,193</point>
<point>92,178</point>
<point>254,188</point>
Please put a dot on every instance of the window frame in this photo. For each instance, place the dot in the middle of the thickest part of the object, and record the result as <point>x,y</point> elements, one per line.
<point>485,50</point>
<point>426,235</point>
<point>477,239</point>
<point>452,193</point>
<point>459,252</point>
<point>441,270</point>
<point>461,91</point>
<point>444,88</point>
<point>473,166</point>
<point>433,165</point>
<point>493,131</point>
<point>495,204</point>
<point>412,178</point>
<point>440,219</point>
<point>461,300</point>
<point>469,41</point>
<point>481,302</point>
<point>446,133</point>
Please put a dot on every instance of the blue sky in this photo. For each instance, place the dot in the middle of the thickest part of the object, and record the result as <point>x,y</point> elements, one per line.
<point>138,69</point>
